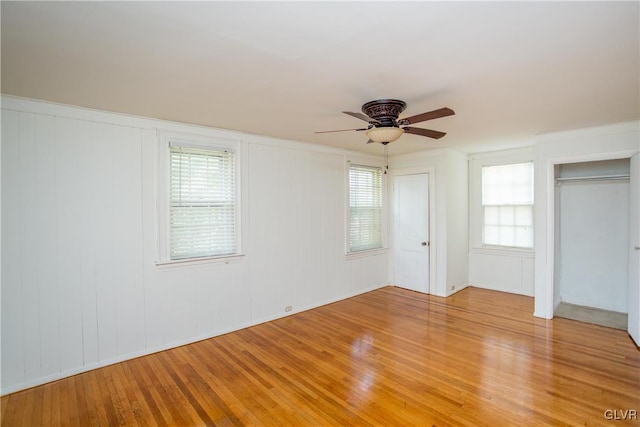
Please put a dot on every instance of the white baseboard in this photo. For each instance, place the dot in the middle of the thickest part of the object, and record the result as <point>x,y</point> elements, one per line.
<point>89,367</point>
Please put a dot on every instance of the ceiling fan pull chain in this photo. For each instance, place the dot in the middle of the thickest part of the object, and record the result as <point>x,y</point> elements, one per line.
<point>386,158</point>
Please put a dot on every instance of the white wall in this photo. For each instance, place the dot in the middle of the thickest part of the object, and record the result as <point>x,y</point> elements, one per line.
<point>80,287</point>
<point>457,190</point>
<point>599,143</point>
<point>500,269</point>
<point>449,238</point>
<point>593,244</point>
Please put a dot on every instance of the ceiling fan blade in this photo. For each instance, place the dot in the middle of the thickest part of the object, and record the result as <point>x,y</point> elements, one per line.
<point>341,130</point>
<point>424,132</point>
<point>362,117</point>
<point>435,114</point>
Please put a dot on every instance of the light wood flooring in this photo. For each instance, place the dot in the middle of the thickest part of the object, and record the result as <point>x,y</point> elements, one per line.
<point>389,357</point>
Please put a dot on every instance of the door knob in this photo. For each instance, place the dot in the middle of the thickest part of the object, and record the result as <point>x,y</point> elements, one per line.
<point>425,243</point>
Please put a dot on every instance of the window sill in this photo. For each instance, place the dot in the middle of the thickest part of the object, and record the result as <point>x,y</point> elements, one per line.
<point>367,253</point>
<point>503,250</point>
<point>226,259</point>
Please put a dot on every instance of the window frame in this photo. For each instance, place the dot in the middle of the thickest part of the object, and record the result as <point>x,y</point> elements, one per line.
<point>201,142</point>
<point>506,205</point>
<point>383,209</point>
<point>476,209</point>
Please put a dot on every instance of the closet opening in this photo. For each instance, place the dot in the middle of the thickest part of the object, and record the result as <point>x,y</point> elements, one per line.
<point>591,272</point>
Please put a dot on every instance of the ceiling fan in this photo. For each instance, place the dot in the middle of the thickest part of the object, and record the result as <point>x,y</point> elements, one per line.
<point>384,125</point>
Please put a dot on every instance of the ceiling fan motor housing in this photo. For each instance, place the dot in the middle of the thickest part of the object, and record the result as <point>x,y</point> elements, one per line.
<point>384,125</point>
<point>386,111</point>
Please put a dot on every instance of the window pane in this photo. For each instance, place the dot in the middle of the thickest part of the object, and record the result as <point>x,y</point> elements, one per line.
<point>506,236</point>
<point>365,208</point>
<point>507,184</point>
<point>507,216</point>
<point>524,216</point>
<point>508,226</point>
<point>202,203</point>
<point>523,237</point>
<point>491,235</point>
<point>492,215</point>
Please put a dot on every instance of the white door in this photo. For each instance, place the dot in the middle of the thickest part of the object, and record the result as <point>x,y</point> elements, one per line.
<point>634,256</point>
<point>411,231</point>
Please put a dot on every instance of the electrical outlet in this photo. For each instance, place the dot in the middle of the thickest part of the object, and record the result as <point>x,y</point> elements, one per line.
<point>288,308</point>
<point>453,287</point>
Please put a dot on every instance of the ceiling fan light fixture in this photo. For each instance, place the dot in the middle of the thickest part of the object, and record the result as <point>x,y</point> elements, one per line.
<point>384,134</point>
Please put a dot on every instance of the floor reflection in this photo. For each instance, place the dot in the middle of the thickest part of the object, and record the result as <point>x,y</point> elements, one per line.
<point>364,369</point>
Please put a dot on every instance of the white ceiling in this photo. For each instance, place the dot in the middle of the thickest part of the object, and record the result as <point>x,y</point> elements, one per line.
<point>510,70</point>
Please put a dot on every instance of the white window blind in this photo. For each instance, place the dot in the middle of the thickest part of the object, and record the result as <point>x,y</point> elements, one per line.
<point>507,200</point>
<point>365,208</point>
<point>202,208</point>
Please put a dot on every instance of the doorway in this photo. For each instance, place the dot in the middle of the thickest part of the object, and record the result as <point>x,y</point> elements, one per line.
<point>411,243</point>
<point>594,279</point>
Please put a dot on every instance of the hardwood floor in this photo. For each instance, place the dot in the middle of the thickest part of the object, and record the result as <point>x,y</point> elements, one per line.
<point>389,357</point>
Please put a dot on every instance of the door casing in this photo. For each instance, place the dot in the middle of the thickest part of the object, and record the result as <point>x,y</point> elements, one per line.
<point>433,268</point>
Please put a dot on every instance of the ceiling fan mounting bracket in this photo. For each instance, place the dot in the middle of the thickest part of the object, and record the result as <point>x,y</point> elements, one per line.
<point>386,111</point>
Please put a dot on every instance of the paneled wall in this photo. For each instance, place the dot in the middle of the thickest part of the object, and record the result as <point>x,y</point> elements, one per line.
<point>506,271</point>
<point>80,285</point>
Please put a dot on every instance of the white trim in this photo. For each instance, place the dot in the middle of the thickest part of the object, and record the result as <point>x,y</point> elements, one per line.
<point>164,139</point>
<point>590,132</point>
<point>503,157</point>
<point>89,367</point>
<point>188,262</point>
<point>415,160</point>
<point>459,288</point>
<point>476,210</point>
<point>503,250</point>
<point>546,308</point>
<point>613,155</point>
<point>367,162</point>
<point>49,108</point>
<point>433,241</point>
<point>617,141</point>
<point>213,146</point>
<point>366,253</point>
<point>12,103</point>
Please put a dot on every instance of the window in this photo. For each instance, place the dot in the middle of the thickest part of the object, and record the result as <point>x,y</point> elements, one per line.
<point>365,208</point>
<point>202,202</point>
<point>507,201</point>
